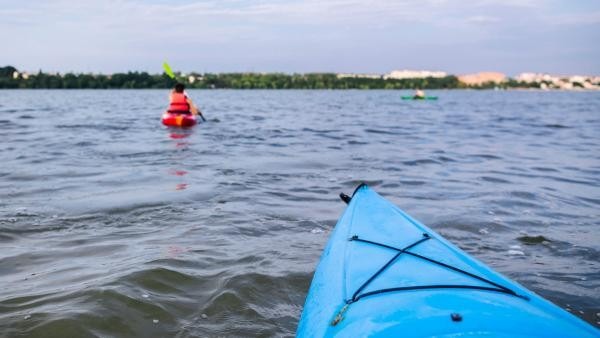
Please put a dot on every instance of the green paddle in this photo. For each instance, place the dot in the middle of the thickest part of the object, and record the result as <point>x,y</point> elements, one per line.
<point>170,73</point>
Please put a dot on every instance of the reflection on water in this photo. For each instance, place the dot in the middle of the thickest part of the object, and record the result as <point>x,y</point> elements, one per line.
<point>178,134</point>
<point>178,172</point>
<point>113,225</point>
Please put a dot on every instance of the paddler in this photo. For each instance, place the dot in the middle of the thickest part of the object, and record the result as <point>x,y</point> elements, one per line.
<point>419,94</point>
<point>180,103</point>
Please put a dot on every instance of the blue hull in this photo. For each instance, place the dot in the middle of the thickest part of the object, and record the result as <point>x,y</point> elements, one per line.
<point>384,274</point>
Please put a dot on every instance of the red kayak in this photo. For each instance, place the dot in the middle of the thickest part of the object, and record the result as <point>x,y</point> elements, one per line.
<point>179,120</point>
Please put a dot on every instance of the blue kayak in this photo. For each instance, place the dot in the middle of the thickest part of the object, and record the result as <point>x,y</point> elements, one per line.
<point>384,274</point>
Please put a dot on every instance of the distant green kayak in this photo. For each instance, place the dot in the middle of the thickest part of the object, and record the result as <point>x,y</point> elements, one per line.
<point>419,98</point>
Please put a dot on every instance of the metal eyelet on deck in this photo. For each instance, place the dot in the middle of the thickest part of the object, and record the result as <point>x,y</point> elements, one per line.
<point>456,317</point>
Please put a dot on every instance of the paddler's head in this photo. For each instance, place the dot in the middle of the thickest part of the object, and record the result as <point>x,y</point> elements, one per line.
<point>179,88</point>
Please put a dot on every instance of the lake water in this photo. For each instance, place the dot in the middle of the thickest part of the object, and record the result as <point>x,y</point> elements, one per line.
<point>114,225</point>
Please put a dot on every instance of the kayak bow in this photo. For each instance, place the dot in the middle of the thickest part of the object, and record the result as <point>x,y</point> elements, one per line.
<point>384,274</point>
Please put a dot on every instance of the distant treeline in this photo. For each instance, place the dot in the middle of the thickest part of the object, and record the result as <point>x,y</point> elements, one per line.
<point>10,77</point>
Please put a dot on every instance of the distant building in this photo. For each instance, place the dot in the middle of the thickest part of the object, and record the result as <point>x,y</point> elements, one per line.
<point>481,78</point>
<point>548,81</point>
<point>577,78</point>
<point>528,77</point>
<point>554,81</point>
<point>414,74</point>
<point>364,76</point>
<point>589,85</point>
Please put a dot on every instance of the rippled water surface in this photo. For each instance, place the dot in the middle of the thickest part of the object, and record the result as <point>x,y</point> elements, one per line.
<point>114,225</point>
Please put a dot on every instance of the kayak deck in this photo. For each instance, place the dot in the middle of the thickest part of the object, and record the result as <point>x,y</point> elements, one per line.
<point>385,274</point>
<point>179,120</point>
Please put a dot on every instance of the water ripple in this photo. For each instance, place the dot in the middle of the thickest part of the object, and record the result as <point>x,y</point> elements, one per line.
<point>114,225</point>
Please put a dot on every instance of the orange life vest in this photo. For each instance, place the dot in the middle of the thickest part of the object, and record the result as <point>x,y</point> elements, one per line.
<point>179,104</point>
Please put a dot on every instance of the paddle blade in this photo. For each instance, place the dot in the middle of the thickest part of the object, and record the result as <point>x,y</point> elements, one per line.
<point>168,70</point>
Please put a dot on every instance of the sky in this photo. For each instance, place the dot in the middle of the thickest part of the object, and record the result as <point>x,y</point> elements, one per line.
<point>353,36</point>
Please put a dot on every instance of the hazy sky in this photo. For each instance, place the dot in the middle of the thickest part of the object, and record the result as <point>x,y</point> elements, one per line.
<point>372,36</point>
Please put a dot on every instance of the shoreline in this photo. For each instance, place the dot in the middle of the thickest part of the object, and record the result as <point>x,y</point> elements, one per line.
<point>11,78</point>
<point>537,90</point>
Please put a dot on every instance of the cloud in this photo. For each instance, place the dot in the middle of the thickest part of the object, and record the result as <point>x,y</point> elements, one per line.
<point>483,19</point>
<point>592,18</point>
<point>512,3</point>
<point>131,34</point>
<point>308,12</point>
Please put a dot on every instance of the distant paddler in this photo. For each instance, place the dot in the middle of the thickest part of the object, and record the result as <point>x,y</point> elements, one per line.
<point>419,95</point>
